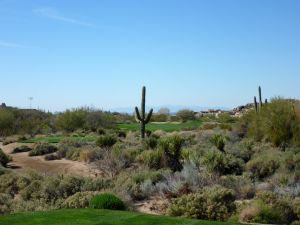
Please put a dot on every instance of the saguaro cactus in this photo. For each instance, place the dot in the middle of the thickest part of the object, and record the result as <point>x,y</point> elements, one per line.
<point>141,116</point>
<point>260,98</point>
<point>255,105</point>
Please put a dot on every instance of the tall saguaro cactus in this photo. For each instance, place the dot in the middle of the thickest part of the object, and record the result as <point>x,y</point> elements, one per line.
<point>141,116</point>
<point>255,105</point>
<point>260,98</point>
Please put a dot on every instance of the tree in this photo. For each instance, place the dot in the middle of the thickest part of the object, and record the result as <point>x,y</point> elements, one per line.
<point>186,115</point>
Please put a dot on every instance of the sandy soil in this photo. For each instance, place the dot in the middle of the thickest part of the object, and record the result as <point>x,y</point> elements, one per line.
<point>154,206</point>
<point>21,162</point>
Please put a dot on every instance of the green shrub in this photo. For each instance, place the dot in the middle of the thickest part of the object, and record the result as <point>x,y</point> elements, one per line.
<point>22,148</point>
<point>222,163</point>
<point>78,200</point>
<point>263,166</point>
<point>4,159</point>
<point>151,142</point>
<point>71,120</point>
<point>276,122</point>
<point>186,115</point>
<point>218,141</point>
<point>171,148</point>
<point>210,203</point>
<point>42,149</point>
<point>107,201</point>
<point>153,159</point>
<point>100,131</point>
<point>6,203</point>
<point>106,141</point>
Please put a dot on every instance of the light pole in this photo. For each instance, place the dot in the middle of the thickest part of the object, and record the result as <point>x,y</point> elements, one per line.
<point>30,101</point>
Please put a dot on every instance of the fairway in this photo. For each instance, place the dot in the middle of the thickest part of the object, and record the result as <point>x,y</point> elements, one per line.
<point>96,217</point>
<point>168,127</point>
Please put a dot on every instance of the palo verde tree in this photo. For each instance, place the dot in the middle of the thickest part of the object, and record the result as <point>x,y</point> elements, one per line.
<point>141,116</point>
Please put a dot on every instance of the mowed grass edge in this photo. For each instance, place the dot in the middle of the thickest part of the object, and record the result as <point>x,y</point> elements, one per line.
<point>96,217</point>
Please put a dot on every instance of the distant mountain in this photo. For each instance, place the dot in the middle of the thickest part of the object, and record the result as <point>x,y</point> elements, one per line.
<point>173,108</point>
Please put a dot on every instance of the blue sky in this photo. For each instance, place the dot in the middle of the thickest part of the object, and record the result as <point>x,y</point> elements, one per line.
<point>100,52</point>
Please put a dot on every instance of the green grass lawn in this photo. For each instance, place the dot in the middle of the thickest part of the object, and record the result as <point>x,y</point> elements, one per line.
<point>95,217</point>
<point>57,139</point>
<point>168,127</point>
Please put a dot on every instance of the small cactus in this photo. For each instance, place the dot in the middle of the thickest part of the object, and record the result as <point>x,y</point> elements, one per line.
<point>141,116</point>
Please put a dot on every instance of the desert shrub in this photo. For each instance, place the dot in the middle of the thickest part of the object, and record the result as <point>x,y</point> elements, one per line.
<point>242,185</point>
<point>219,141</point>
<point>296,222</point>
<point>106,141</point>
<point>100,131</point>
<point>211,203</point>
<point>153,176</point>
<point>186,115</point>
<point>6,202</point>
<point>222,163</point>
<point>153,159</point>
<point>277,122</point>
<point>7,118</point>
<point>297,207</point>
<point>32,190</point>
<point>4,159</point>
<point>151,142</point>
<point>121,134</point>
<point>263,166</point>
<point>42,149</point>
<point>51,157</point>
<point>159,118</point>
<point>22,148</point>
<point>71,120</point>
<point>96,184</point>
<point>87,155</point>
<point>78,200</point>
<point>107,201</point>
<point>171,148</point>
<point>209,126</point>
<point>73,154</point>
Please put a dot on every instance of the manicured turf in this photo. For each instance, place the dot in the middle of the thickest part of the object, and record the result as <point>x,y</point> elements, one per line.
<point>57,139</point>
<point>95,217</point>
<point>168,127</point>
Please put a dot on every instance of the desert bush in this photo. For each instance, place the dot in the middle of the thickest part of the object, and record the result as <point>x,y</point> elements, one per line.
<point>121,134</point>
<point>153,159</point>
<point>96,184</point>
<point>73,153</point>
<point>211,203</point>
<point>100,131</point>
<point>22,148</point>
<point>219,141</point>
<point>159,118</point>
<point>107,201</point>
<point>263,166</point>
<point>185,115</point>
<point>277,122</point>
<point>171,148</point>
<point>4,159</point>
<point>78,200</point>
<point>42,149</point>
<point>32,190</point>
<point>87,155</point>
<point>151,142</point>
<point>106,141</point>
<point>222,163</point>
<point>7,118</point>
<point>6,203</point>
<point>51,157</point>
<point>71,120</point>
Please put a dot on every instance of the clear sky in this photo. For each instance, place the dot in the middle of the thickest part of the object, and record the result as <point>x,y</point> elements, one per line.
<point>99,53</point>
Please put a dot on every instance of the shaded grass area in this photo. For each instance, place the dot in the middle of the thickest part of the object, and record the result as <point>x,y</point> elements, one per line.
<point>96,217</point>
<point>168,127</point>
<point>57,139</point>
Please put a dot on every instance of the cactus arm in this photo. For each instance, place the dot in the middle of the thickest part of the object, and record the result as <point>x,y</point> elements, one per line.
<point>255,104</point>
<point>260,98</point>
<point>149,116</point>
<point>143,103</point>
<point>137,114</point>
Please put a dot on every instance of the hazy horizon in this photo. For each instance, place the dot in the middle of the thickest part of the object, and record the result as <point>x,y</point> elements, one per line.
<point>67,54</point>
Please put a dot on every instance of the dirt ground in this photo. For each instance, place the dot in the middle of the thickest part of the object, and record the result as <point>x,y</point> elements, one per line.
<point>22,162</point>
